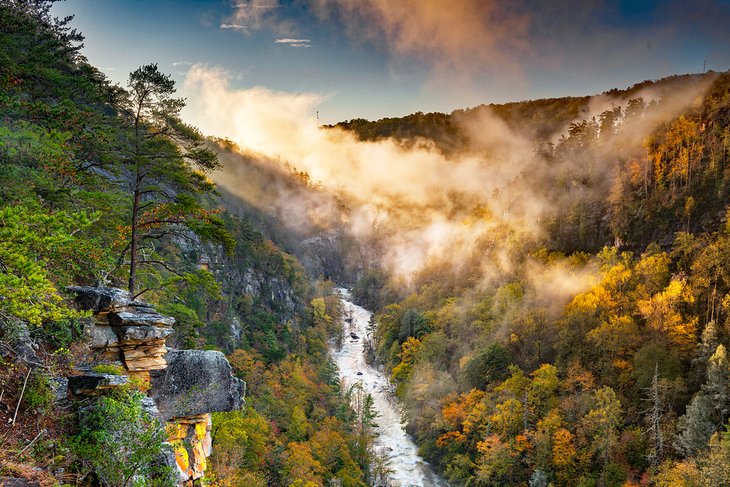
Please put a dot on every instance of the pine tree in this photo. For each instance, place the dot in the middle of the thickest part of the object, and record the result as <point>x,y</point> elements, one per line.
<point>166,163</point>
<point>656,413</point>
<point>708,409</point>
<point>718,383</point>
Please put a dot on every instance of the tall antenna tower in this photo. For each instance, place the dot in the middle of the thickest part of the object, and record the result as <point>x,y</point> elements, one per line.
<point>317,118</point>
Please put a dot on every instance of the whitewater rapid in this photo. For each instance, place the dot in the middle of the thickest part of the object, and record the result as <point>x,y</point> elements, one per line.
<point>408,469</point>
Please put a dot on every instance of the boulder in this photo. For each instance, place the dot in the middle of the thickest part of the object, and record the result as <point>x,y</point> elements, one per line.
<point>195,382</point>
<point>100,298</point>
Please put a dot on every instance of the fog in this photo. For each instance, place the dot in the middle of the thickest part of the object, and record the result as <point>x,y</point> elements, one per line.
<point>413,202</point>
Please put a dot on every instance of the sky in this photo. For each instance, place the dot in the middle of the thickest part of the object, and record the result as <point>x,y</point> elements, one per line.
<point>380,58</point>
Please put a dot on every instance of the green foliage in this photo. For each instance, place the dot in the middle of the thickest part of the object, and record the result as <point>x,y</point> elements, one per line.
<point>413,324</point>
<point>122,443</point>
<point>368,290</point>
<point>38,394</point>
<point>487,366</point>
<point>108,369</point>
<point>32,243</point>
<point>60,334</point>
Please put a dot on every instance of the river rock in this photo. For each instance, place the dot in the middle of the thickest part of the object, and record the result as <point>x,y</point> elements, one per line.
<point>195,382</point>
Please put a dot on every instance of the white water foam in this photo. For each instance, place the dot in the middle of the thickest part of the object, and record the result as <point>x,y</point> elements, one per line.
<point>408,469</point>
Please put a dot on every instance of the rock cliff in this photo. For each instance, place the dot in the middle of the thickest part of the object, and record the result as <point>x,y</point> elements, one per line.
<point>184,386</point>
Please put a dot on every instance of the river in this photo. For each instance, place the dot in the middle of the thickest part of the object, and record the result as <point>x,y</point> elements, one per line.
<point>407,468</point>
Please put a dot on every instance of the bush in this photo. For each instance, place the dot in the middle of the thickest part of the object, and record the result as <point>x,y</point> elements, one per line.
<point>61,333</point>
<point>38,394</point>
<point>108,369</point>
<point>122,443</point>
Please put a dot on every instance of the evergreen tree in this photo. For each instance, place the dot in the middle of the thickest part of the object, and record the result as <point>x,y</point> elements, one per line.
<point>166,161</point>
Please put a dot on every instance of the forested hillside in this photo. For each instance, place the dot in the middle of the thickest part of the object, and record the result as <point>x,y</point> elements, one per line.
<point>594,353</point>
<point>105,185</point>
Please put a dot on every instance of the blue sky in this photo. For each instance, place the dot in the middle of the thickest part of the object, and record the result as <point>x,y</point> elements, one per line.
<point>376,58</point>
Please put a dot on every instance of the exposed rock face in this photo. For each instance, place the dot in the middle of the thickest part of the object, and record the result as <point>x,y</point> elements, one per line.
<point>183,386</point>
<point>192,443</point>
<point>126,330</point>
<point>92,383</point>
<point>195,382</point>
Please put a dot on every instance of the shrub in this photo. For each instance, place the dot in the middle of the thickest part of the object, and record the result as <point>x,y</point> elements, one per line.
<point>38,394</point>
<point>122,443</point>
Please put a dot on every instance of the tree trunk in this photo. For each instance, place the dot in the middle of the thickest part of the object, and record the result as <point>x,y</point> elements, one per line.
<point>137,198</point>
<point>135,239</point>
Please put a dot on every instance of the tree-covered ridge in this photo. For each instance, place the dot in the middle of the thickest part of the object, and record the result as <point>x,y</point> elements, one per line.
<point>543,119</point>
<point>94,178</point>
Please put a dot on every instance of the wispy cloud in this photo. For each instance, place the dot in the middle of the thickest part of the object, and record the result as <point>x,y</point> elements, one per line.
<point>294,42</point>
<point>182,63</point>
<point>252,15</point>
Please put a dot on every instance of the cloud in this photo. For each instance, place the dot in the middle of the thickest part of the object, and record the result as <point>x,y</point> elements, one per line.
<point>182,63</point>
<point>411,205</point>
<point>254,15</point>
<point>463,35</point>
<point>294,42</point>
<point>233,26</point>
<point>499,44</point>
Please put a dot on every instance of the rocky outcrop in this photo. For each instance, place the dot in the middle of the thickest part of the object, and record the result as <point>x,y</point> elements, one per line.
<point>183,386</point>
<point>126,330</point>
<point>195,382</point>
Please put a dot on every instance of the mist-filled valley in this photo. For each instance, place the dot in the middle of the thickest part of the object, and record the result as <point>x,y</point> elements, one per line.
<point>534,265</point>
<point>236,267</point>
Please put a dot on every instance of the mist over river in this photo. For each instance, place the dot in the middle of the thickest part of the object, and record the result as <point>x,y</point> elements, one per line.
<point>407,467</point>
